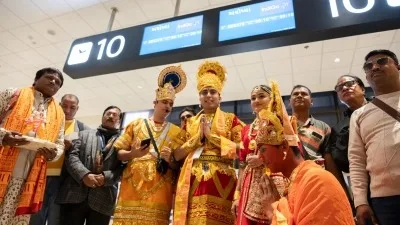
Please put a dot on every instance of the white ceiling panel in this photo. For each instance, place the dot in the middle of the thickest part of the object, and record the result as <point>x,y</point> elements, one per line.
<point>90,82</point>
<point>247,58</point>
<point>149,74</point>
<point>129,13</point>
<point>53,54</point>
<point>32,56</point>
<point>306,49</point>
<point>53,7</point>
<point>340,44</point>
<point>220,2</point>
<point>251,71</point>
<point>109,79</point>
<point>192,5</point>
<point>51,31</point>
<point>249,84</point>
<point>30,37</point>
<point>233,96</point>
<point>74,25</point>
<point>129,76</point>
<point>167,8</point>
<point>273,54</point>
<point>25,9</point>
<point>8,19</point>
<point>6,68</point>
<point>18,79</point>
<point>337,59</point>
<point>120,89</point>
<point>310,79</point>
<point>64,46</point>
<point>17,62</point>
<point>373,39</point>
<point>97,17</point>
<point>307,63</point>
<point>4,50</point>
<point>79,4</point>
<point>397,36</point>
<point>281,66</point>
<point>233,82</point>
<point>362,52</point>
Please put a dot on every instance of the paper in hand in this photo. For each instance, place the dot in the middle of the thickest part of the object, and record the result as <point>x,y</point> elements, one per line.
<point>72,136</point>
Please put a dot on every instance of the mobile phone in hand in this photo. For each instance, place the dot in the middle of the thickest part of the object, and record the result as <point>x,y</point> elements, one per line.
<point>145,142</point>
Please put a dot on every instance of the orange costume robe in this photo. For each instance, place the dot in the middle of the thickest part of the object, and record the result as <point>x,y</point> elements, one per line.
<point>207,181</point>
<point>315,197</point>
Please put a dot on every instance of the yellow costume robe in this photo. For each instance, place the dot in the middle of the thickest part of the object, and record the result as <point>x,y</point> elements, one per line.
<point>207,181</point>
<point>145,196</point>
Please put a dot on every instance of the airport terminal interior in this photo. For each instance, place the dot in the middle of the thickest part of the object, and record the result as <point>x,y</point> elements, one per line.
<point>111,52</point>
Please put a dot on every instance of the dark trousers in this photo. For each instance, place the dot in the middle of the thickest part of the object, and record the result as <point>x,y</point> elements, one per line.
<point>78,214</point>
<point>387,210</point>
<point>50,211</point>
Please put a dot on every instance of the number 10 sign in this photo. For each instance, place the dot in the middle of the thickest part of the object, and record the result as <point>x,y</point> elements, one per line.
<point>80,53</point>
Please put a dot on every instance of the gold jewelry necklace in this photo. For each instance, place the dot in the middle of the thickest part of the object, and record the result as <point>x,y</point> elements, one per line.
<point>252,136</point>
<point>157,128</point>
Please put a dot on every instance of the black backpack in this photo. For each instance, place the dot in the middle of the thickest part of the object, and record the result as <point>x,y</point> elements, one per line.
<point>339,143</point>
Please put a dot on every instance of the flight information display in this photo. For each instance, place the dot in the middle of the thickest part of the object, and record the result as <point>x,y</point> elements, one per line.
<point>255,19</point>
<point>172,35</point>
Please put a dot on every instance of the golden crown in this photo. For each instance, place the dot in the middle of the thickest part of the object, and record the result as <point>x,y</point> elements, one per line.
<point>171,80</point>
<point>211,74</point>
<point>275,125</point>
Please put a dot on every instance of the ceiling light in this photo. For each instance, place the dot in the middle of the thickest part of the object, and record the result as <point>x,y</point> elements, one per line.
<point>51,32</point>
<point>337,60</point>
<point>140,87</point>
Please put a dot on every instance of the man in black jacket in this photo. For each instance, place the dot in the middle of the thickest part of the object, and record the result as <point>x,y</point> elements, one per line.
<point>88,194</point>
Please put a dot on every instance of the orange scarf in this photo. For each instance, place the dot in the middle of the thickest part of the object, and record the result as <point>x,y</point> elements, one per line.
<point>31,198</point>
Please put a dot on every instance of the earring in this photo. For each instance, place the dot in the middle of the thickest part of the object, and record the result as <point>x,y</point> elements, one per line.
<point>200,106</point>
<point>254,113</point>
<point>284,155</point>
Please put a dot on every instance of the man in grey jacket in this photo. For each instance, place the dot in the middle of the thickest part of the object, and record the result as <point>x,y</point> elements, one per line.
<point>89,192</point>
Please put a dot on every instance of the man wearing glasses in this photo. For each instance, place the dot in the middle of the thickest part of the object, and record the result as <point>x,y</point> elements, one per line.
<point>185,114</point>
<point>351,92</point>
<point>374,144</point>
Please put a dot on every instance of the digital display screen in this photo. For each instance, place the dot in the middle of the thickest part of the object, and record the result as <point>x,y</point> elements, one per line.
<point>172,35</point>
<point>260,18</point>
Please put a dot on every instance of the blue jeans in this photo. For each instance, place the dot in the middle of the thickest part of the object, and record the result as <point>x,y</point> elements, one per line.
<point>387,210</point>
<point>50,212</point>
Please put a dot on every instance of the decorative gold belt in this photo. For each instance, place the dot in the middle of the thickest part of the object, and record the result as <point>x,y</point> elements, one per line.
<point>215,158</point>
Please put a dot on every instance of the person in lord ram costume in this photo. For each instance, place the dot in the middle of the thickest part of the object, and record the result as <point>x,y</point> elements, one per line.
<point>147,183</point>
<point>207,180</point>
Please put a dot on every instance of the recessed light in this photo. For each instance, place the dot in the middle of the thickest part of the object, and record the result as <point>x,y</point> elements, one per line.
<point>51,32</point>
<point>140,87</point>
<point>337,60</point>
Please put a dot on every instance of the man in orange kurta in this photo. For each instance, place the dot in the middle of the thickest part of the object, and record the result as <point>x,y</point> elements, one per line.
<point>30,111</point>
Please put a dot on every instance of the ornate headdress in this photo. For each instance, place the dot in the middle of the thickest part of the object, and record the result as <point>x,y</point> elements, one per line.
<point>171,80</point>
<point>275,125</point>
<point>211,74</point>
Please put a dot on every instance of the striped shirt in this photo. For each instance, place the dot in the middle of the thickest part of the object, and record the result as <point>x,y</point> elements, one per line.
<point>314,135</point>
